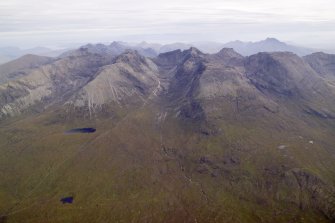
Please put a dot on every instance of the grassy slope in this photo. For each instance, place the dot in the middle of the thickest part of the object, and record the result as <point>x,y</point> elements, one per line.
<point>138,169</point>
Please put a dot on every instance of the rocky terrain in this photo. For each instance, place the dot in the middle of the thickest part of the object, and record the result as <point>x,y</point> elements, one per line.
<point>183,136</point>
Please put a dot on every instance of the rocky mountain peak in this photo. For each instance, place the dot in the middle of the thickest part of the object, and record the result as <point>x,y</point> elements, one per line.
<point>319,55</point>
<point>130,57</point>
<point>228,56</point>
<point>322,63</point>
<point>173,54</point>
<point>193,52</point>
<point>229,52</point>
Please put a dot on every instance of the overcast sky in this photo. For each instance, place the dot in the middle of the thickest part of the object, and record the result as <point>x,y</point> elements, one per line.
<point>28,23</point>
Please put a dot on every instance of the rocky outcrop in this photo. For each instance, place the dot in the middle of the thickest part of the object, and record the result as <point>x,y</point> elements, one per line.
<point>49,83</point>
<point>323,64</point>
<point>130,76</point>
<point>318,193</point>
<point>228,57</point>
<point>285,76</point>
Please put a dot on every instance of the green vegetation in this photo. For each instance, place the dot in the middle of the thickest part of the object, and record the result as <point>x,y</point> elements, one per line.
<point>184,151</point>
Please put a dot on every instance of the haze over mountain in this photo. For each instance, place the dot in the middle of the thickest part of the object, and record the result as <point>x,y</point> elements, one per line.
<point>183,136</point>
<point>31,23</point>
<point>16,68</point>
<point>244,48</point>
<point>153,49</point>
<point>10,53</point>
<point>267,45</point>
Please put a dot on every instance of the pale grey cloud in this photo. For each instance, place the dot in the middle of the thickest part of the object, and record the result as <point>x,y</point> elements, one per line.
<point>44,22</point>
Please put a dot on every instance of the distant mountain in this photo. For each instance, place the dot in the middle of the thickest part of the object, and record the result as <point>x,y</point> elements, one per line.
<point>19,67</point>
<point>163,48</point>
<point>153,49</point>
<point>184,136</point>
<point>10,53</point>
<point>4,59</point>
<point>146,45</point>
<point>174,46</point>
<point>244,48</point>
<point>267,45</point>
<point>114,49</point>
<point>209,47</point>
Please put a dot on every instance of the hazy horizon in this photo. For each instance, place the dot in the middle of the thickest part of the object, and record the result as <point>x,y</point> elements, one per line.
<point>134,43</point>
<point>32,23</point>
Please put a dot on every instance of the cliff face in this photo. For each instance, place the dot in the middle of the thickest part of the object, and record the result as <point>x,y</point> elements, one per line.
<point>323,64</point>
<point>129,77</point>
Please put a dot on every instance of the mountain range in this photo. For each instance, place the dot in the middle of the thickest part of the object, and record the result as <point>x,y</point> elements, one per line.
<point>243,48</point>
<point>153,49</point>
<point>267,45</point>
<point>176,135</point>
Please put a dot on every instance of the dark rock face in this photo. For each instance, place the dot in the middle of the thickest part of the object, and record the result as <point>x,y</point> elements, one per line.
<point>192,111</point>
<point>313,191</point>
<point>320,114</point>
<point>169,60</point>
<point>268,75</point>
<point>303,188</point>
<point>322,63</point>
